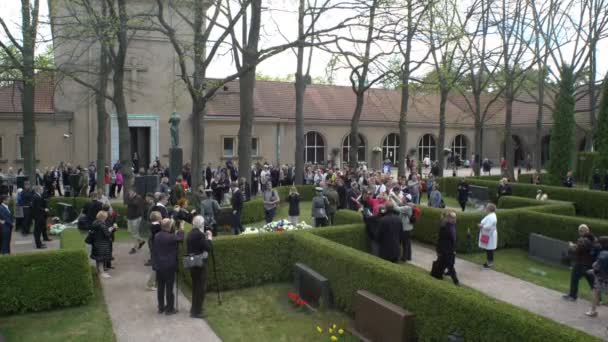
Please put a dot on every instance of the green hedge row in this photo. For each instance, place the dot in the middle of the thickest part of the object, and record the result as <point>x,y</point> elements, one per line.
<point>440,308</point>
<point>585,166</point>
<point>587,202</point>
<point>554,207</point>
<point>253,211</point>
<point>46,280</point>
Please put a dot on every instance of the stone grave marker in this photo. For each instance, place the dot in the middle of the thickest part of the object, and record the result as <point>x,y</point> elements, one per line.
<point>312,287</point>
<point>379,320</point>
<point>548,250</point>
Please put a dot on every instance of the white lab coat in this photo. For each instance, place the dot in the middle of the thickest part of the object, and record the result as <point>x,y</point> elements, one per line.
<point>489,228</point>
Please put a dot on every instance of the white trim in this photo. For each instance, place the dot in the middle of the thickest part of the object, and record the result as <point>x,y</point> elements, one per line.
<point>136,120</point>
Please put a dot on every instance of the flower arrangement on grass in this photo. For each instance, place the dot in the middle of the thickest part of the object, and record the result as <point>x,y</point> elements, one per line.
<point>277,226</point>
<point>295,299</point>
<point>334,332</point>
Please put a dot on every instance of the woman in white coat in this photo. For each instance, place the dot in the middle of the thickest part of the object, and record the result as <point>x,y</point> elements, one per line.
<point>488,235</point>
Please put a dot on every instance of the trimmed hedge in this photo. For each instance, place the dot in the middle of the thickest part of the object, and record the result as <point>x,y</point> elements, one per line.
<point>46,280</point>
<point>253,211</point>
<point>586,202</point>
<point>555,207</point>
<point>248,260</point>
<point>440,307</point>
<point>346,216</point>
<point>584,166</point>
<point>351,235</point>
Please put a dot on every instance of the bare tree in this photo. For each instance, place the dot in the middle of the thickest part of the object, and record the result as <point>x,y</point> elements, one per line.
<point>445,29</point>
<point>515,33</point>
<point>407,27</point>
<point>26,47</point>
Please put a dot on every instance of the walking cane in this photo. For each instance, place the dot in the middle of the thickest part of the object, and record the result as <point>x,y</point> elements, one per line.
<point>217,283</point>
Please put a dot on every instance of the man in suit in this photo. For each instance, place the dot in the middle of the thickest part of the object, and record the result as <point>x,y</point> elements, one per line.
<point>164,262</point>
<point>161,205</point>
<point>92,208</point>
<point>237,208</point>
<point>388,234</point>
<point>39,213</point>
<point>6,225</point>
<point>27,197</point>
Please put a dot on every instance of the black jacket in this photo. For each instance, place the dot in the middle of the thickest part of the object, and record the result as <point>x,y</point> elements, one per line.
<point>197,242</point>
<point>294,204</point>
<point>154,229</point>
<point>237,201</point>
<point>162,210</point>
<point>463,191</point>
<point>91,209</point>
<point>38,207</point>
<point>388,236</point>
<point>446,242</point>
<point>164,252</point>
<point>342,195</point>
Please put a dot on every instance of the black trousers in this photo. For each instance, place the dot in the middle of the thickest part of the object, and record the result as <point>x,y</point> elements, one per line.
<point>320,222</point>
<point>463,205</point>
<point>490,256</point>
<point>406,245</point>
<point>447,262</point>
<point>579,271</point>
<point>164,284</point>
<point>199,288</point>
<point>40,229</point>
<point>27,220</point>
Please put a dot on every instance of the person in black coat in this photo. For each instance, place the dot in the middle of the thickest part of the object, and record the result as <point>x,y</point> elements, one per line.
<point>341,189</point>
<point>39,213</point>
<point>91,209</point>
<point>463,193</point>
<point>161,206</point>
<point>208,176</point>
<point>164,262</point>
<point>294,205</point>
<point>101,248</point>
<point>7,222</point>
<point>199,242</point>
<point>237,208</point>
<point>446,244</point>
<point>388,234</point>
<point>27,198</point>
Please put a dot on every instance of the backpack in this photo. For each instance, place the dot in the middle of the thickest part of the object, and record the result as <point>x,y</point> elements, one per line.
<point>416,212</point>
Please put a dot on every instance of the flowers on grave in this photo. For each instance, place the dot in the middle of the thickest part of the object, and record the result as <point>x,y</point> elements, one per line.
<point>296,300</point>
<point>319,330</point>
<point>334,338</point>
<point>341,331</point>
<point>334,333</point>
<point>277,226</point>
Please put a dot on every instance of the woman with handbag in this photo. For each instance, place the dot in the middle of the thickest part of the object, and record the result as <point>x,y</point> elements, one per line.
<point>198,245</point>
<point>488,234</point>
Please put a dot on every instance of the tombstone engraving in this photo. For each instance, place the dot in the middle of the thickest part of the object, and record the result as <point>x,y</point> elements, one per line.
<point>549,250</point>
<point>312,287</point>
<point>379,320</point>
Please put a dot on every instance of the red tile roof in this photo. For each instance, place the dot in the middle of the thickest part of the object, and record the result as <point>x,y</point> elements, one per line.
<point>10,96</point>
<point>324,102</point>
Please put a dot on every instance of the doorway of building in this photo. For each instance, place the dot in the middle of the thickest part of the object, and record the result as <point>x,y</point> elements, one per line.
<point>140,147</point>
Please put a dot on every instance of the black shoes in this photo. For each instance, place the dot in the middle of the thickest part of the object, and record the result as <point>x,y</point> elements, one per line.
<point>47,240</point>
<point>141,243</point>
<point>170,312</point>
<point>132,251</point>
<point>198,316</point>
<point>161,311</point>
<point>43,246</point>
<point>148,263</point>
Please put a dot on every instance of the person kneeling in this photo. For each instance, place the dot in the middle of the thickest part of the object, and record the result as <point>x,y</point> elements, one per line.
<point>164,262</point>
<point>199,246</point>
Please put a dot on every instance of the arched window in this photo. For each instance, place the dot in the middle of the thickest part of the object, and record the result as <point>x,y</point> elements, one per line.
<point>390,148</point>
<point>346,148</point>
<point>459,146</point>
<point>314,151</point>
<point>545,149</point>
<point>427,147</point>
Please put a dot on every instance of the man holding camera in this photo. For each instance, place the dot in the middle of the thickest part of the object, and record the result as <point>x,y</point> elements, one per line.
<point>164,262</point>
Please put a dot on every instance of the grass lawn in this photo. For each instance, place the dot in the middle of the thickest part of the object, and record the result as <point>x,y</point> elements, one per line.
<point>515,262</point>
<point>264,314</point>
<point>89,322</point>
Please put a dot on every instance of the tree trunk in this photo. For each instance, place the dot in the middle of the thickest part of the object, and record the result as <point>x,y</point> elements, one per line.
<point>443,99</point>
<point>592,99</point>
<point>198,138</point>
<point>405,97</point>
<point>509,131</point>
<point>124,137</point>
<point>538,159</point>
<point>478,146</point>
<point>300,86</point>
<point>354,132</point>
<point>102,115</point>
<point>29,13</point>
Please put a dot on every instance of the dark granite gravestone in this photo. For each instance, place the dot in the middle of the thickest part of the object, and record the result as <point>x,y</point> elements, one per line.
<point>139,184</point>
<point>176,160</point>
<point>548,250</point>
<point>152,183</point>
<point>312,287</point>
<point>379,320</point>
<point>479,193</point>
<point>225,217</point>
<point>68,213</point>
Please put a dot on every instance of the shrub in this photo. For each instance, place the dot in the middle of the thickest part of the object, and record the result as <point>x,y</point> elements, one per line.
<point>46,280</point>
<point>351,235</point>
<point>253,211</point>
<point>586,202</point>
<point>555,207</point>
<point>558,226</point>
<point>346,216</point>
<point>563,130</point>
<point>585,165</point>
<point>72,239</point>
<point>249,260</point>
<point>440,307</point>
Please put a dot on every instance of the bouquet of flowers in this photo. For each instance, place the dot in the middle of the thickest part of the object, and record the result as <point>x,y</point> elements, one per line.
<point>277,226</point>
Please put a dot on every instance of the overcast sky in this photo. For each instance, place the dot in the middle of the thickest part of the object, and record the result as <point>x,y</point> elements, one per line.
<point>281,65</point>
